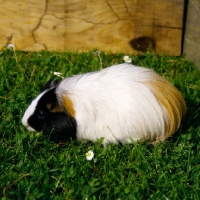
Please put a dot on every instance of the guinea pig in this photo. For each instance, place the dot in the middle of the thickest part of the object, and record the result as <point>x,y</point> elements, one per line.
<point>121,103</point>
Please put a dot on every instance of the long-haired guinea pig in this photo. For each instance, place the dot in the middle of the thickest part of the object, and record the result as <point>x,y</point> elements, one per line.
<point>121,103</point>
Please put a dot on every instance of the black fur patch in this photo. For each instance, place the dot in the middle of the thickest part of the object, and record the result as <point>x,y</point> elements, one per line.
<point>50,84</point>
<point>59,125</point>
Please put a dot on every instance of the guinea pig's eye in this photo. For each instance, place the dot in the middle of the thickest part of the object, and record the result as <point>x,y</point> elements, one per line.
<point>41,114</point>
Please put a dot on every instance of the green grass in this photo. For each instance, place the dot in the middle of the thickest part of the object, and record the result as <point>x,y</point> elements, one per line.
<point>31,167</point>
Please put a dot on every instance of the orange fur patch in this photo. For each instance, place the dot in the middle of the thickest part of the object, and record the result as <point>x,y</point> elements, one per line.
<point>171,99</point>
<point>67,103</point>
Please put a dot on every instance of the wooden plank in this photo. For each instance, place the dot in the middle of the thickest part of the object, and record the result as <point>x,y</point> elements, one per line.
<point>192,33</point>
<point>128,26</point>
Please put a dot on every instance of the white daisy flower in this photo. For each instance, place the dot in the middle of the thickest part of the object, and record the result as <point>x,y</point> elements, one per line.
<point>127,59</point>
<point>97,53</point>
<point>89,155</point>
<point>11,47</point>
<point>57,74</point>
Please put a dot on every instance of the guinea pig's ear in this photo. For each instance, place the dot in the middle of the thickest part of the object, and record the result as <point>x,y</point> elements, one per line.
<point>54,107</point>
<point>51,101</point>
<point>49,84</point>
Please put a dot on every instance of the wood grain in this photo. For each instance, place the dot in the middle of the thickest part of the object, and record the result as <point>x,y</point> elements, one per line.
<point>192,33</point>
<point>128,26</point>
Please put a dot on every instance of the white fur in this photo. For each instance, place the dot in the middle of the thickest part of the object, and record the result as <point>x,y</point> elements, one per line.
<point>115,103</point>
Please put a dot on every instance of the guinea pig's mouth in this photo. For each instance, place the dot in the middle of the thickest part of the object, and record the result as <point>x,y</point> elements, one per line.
<point>30,128</point>
<point>25,123</point>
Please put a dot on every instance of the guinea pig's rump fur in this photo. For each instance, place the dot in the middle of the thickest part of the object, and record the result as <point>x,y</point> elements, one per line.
<point>120,103</point>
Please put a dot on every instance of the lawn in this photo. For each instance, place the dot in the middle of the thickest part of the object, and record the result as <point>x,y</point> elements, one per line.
<point>32,167</point>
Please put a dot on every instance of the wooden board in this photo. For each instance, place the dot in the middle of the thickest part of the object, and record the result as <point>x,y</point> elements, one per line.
<point>192,33</point>
<point>128,26</point>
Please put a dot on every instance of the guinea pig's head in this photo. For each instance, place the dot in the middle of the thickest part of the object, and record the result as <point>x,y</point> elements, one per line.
<point>46,114</point>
